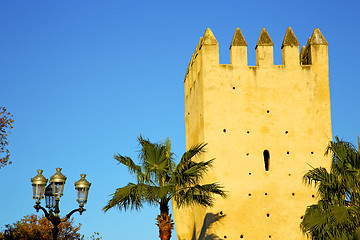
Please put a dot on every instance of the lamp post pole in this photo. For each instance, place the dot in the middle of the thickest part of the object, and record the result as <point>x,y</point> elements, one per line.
<point>53,192</point>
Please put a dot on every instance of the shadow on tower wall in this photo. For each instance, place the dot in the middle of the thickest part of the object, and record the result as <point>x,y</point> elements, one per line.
<point>209,219</point>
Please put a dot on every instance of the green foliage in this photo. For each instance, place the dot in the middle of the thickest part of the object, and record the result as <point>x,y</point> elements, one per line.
<point>159,179</point>
<point>6,122</point>
<point>337,214</point>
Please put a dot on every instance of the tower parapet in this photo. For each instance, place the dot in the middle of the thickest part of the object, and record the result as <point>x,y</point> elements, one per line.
<point>314,52</point>
<point>264,124</point>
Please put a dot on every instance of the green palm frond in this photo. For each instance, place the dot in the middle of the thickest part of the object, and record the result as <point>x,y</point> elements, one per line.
<point>192,197</point>
<point>131,196</point>
<point>198,195</point>
<point>156,159</point>
<point>212,188</point>
<point>190,173</point>
<point>195,150</point>
<point>337,214</point>
<point>317,176</point>
<point>196,171</point>
<point>344,155</point>
<point>156,193</point>
<point>314,219</point>
<point>333,222</point>
<point>356,235</point>
<point>133,168</point>
<point>341,215</point>
<point>160,180</point>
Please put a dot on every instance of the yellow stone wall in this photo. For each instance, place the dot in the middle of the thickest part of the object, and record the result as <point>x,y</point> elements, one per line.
<point>241,111</point>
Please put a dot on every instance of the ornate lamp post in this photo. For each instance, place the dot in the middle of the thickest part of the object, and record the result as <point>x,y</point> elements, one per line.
<point>53,192</point>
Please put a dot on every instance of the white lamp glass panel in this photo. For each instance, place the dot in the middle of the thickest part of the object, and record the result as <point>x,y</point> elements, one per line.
<point>86,195</point>
<point>41,190</point>
<point>58,188</point>
<point>47,201</point>
<point>38,191</point>
<point>50,201</point>
<point>35,195</point>
<point>82,195</point>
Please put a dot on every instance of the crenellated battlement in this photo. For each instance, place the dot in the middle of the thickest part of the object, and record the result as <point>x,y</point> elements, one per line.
<point>207,51</point>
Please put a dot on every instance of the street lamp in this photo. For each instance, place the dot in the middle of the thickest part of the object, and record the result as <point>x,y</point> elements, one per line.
<point>53,192</point>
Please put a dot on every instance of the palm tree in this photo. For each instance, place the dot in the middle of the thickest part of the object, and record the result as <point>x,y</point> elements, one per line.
<point>159,180</point>
<point>337,214</point>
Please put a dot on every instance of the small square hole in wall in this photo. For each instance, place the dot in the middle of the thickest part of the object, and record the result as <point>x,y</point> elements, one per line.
<point>249,194</point>
<point>268,214</point>
<point>224,130</point>
<point>221,213</point>
<point>293,194</point>
<point>269,236</point>
<point>233,87</point>
<point>286,132</point>
<point>301,217</point>
<point>287,152</point>
<point>313,196</point>
<point>267,111</point>
<point>266,194</point>
<point>249,173</point>
<point>247,132</point>
<point>312,152</point>
<point>225,236</point>
<point>247,154</point>
<point>289,174</point>
<point>241,236</point>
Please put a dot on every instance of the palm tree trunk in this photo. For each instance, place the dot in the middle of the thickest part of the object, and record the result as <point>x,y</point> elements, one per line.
<point>164,222</point>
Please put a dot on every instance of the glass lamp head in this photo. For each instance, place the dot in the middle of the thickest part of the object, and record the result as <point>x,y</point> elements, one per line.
<point>57,181</point>
<point>82,187</point>
<point>38,183</point>
<point>49,197</point>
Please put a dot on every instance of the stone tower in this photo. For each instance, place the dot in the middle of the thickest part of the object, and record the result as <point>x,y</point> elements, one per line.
<point>265,125</point>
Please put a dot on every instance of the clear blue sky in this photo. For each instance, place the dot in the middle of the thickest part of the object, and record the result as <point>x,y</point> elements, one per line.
<point>84,78</point>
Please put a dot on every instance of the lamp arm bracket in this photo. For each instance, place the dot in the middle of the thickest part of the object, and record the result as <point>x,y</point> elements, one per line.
<point>38,206</point>
<point>80,210</point>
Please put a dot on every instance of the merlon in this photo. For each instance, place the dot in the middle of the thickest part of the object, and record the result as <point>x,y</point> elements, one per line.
<point>264,39</point>
<point>290,39</point>
<point>317,38</point>
<point>238,39</point>
<point>209,38</point>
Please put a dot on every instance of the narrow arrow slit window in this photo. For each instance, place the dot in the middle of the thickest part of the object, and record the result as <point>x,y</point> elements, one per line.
<point>266,160</point>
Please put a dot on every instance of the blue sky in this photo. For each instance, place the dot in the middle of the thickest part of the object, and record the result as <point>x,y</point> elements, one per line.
<point>84,78</point>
